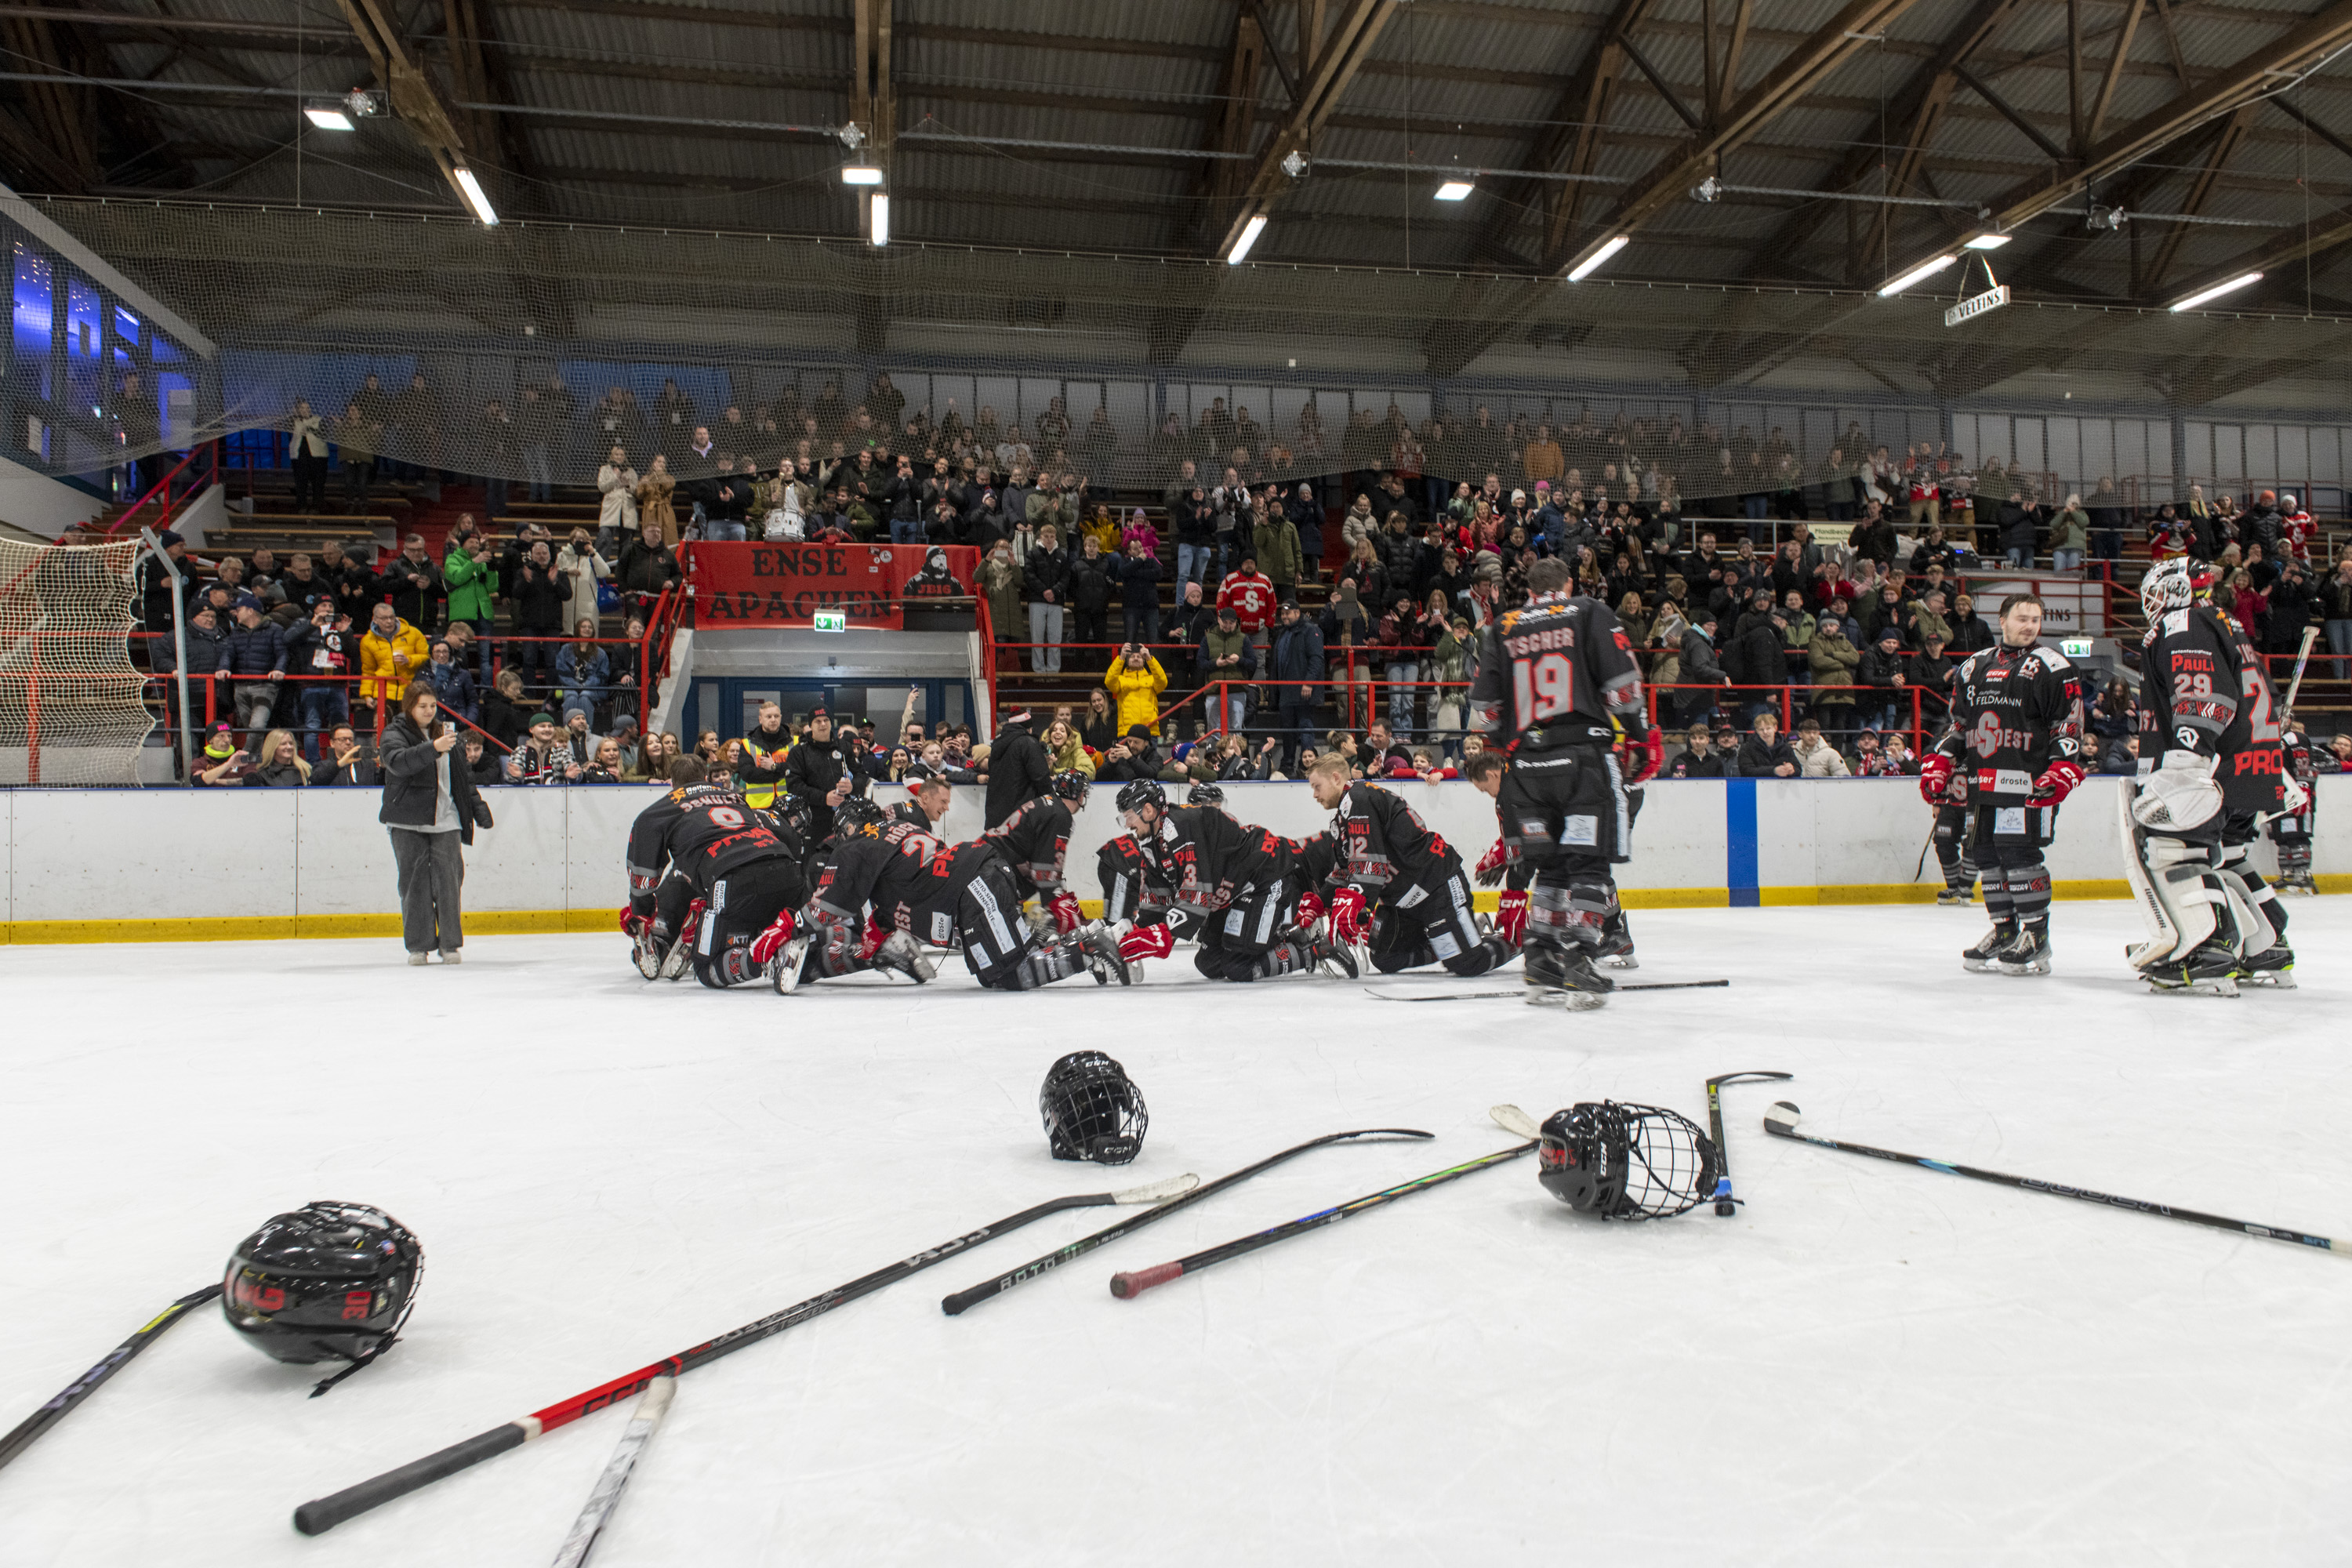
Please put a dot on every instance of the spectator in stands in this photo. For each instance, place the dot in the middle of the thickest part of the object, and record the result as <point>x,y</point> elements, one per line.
<point>430,807</point>
<point>1816,758</point>
<point>453,687</point>
<point>1887,701</point>
<point>281,765</point>
<point>616,514</point>
<point>469,573</point>
<point>608,766</point>
<point>1397,639</point>
<point>358,440</point>
<point>1699,759</point>
<point>480,767</point>
<point>345,761</point>
<point>414,583</point>
<point>1753,659</point>
<point>220,761</point>
<point>1226,655</point>
<point>506,712</point>
<point>648,565</point>
<point>323,649</point>
<point>2120,754</point>
<point>581,561</point>
<point>583,670</point>
<point>1764,754</point>
<point>306,452</point>
<point>1045,583</point>
<point>1091,578</point>
<point>1135,683</point>
<point>545,757</point>
<point>253,659</point>
<point>1139,593</point>
<point>1065,751</point>
<point>540,594</point>
<point>1134,755</point>
<point>1833,660</point>
<point>1098,727</point>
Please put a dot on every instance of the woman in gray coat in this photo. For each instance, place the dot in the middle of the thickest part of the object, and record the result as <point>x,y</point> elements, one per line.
<point>430,807</point>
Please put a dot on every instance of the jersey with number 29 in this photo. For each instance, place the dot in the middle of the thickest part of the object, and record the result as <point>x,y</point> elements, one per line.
<point>1556,674</point>
<point>2203,689</point>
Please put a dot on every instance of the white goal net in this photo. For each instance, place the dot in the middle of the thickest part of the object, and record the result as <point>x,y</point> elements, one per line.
<point>70,703</point>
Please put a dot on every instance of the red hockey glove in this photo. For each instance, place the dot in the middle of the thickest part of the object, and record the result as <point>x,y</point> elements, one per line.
<point>770,942</point>
<point>1067,916</point>
<point>1348,916</point>
<point>1146,942</point>
<point>1645,757</point>
<point>635,925</point>
<point>1935,777</point>
<point>1310,908</point>
<point>1511,916</point>
<point>2056,782</point>
<point>1490,870</point>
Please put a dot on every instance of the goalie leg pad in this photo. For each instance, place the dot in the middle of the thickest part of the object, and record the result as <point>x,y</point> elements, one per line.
<point>2176,894</point>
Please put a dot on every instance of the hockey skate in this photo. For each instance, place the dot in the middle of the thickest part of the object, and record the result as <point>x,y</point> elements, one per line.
<point>648,956</point>
<point>2028,955</point>
<point>1985,956</point>
<point>1616,948</point>
<point>2272,968</point>
<point>1101,945</point>
<point>2209,971</point>
<point>1564,976</point>
<point>1958,898</point>
<point>2299,883</point>
<point>1323,954</point>
<point>902,953</point>
<point>784,969</point>
<point>680,956</point>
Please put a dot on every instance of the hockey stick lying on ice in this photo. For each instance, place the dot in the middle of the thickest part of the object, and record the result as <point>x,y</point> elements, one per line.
<point>963,1299</point>
<point>1130,1285</point>
<point>1522,991</point>
<point>82,1388</point>
<point>323,1514</point>
<point>1725,1204</point>
<point>606,1494</point>
<point>1782,1119</point>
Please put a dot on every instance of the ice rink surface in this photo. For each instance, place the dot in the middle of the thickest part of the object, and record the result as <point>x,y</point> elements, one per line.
<point>1871,1363</point>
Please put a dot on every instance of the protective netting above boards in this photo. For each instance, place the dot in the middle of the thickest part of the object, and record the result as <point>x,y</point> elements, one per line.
<point>527,352</point>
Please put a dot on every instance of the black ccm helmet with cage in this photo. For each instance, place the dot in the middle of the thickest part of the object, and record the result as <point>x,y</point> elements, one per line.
<point>331,1281</point>
<point>1092,1109</point>
<point>1625,1161</point>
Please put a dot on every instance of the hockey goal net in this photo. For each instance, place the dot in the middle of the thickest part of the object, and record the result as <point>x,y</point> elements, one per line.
<point>71,708</point>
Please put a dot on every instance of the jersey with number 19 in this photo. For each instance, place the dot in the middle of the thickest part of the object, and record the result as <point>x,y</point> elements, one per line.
<point>1556,674</point>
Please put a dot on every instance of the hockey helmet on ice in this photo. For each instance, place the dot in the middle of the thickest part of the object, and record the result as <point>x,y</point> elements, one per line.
<point>1625,1161</point>
<point>1092,1109</point>
<point>331,1281</point>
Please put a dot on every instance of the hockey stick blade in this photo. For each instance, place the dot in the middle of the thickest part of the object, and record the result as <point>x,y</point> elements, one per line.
<point>1782,1119</point>
<point>605,1496</point>
<point>1725,1206</point>
<point>1515,1121</point>
<point>1128,1286</point>
<point>23,1434</point>
<point>964,1301</point>
<point>1521,992</point>
<point>322,1514</point>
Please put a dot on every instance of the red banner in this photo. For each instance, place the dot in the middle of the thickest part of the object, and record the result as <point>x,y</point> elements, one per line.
<point>786,584</point>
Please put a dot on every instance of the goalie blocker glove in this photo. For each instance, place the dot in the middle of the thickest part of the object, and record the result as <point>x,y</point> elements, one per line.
<point>330,1282</point>
<point>1092,1111</point>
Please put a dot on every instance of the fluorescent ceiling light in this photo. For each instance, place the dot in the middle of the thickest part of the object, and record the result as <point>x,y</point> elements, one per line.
<point>860,174</point>
<point>1986,241</point>
<point>880,204</point>
<point>1455,190</point>
<point>1250,231</point>
<point>475,199</point>
<point>330,118</point>
<point>1924,270</point>
<point>1591,264</point>
<point>2216,291</point>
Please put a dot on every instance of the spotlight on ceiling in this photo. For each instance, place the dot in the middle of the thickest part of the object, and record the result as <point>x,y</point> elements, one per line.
<point>328,117</point>
<point>860,174</point>
<point>1455,190</point>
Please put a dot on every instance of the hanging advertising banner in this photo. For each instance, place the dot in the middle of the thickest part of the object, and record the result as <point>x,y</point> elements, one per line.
<point>790,585</point>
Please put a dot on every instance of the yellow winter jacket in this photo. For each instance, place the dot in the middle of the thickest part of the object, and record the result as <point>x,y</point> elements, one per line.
<point>381,678</point>
<point>1136,692</point>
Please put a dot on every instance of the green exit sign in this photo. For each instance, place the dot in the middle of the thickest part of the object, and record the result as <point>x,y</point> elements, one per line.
<point>2075,648</point>
<point>835,620</point>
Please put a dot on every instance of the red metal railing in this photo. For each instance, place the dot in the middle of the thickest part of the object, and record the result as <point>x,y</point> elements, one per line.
<point>205,457</point>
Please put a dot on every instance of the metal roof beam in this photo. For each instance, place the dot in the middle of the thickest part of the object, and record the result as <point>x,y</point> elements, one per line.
<point>1353,34</point>
<point>2151,281</point>
<point>414,101</point>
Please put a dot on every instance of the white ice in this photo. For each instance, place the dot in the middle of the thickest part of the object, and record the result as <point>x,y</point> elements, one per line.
<point>1872,1363</point>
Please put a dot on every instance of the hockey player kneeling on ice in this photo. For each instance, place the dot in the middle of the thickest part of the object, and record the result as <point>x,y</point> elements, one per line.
<point>1034,841</point>
<point>1557,684</point>
<point>923,890</point>
<point>1231,879</point>
<point>2210,765</point>
<point>2014,751</point>
<point>1394,884</point>
<point>739,870</point>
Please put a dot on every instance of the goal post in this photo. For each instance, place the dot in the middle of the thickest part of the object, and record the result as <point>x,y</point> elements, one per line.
<point>72,709</point>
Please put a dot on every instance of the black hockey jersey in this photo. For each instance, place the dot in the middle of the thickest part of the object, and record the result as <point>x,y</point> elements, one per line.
<point>2015,710</point>
<point>2203,689</point>
<point>1374,839</point>
<point>1208,859</point>
<point>1555,674</point>
<point>704,831</point>
<point>891,865</point>
<point>1132,887</point>
<point>1034,840</point>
